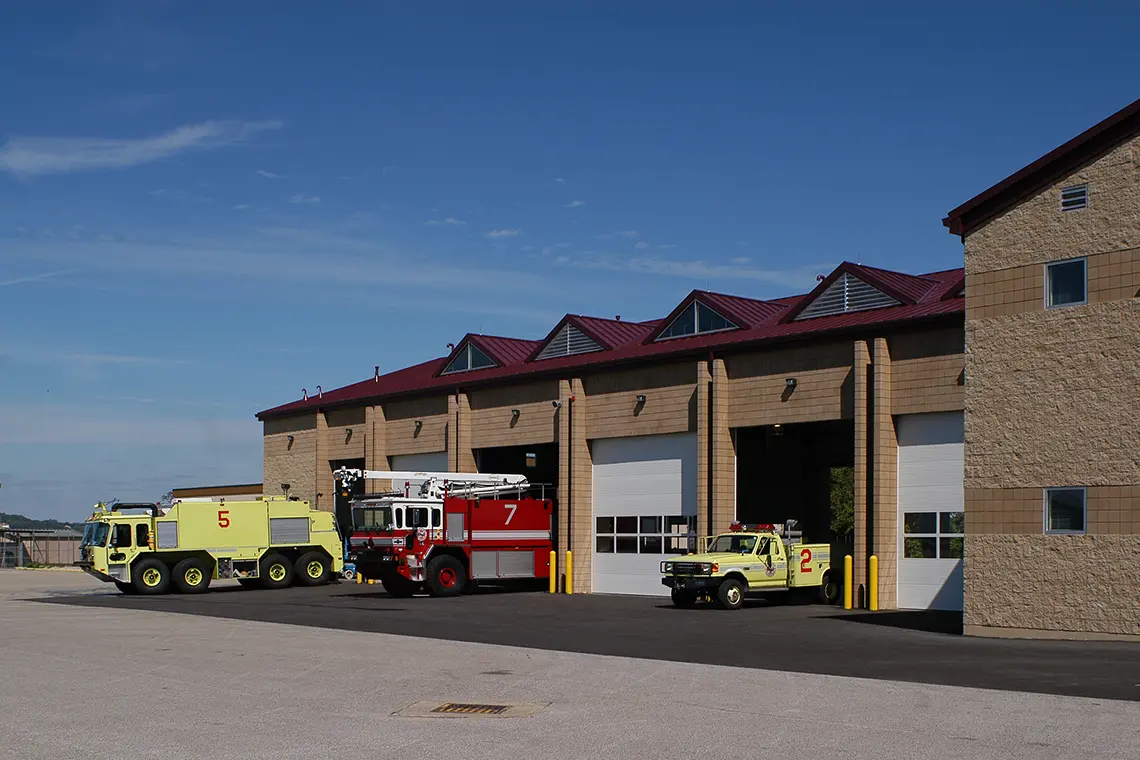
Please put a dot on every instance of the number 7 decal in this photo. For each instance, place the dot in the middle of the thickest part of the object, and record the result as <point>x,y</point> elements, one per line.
<point>806,558</point>
<point>512,508</point>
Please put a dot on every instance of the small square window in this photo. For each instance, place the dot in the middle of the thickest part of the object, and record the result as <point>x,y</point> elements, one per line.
<point>952,522</point>
<point>650,525</point>
<point>920,522</point>
<point>604,525</point>
<point>651,545</point>
<point>604,544</point>
<point>627,544</point>
<point>1074,198</point>
<point>1065,283</point>
<point>950,548</point>
<point>920,548</point>
<point>627,525</point>
<point>1065,510</point>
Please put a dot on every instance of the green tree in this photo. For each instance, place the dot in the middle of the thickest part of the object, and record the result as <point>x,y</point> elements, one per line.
<point>842,501</point>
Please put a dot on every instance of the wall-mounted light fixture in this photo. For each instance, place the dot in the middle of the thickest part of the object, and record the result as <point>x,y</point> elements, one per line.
<point>790,383</point>
<point>419,426</point>
<point>556,404</point>
<point>348,435</point>
<point>640,398</point>
<point>289,441</point>
<point>515,414</point>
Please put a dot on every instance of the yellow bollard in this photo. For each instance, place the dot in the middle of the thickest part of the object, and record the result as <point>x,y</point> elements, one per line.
<point>553,572</point>
<point>359,578</point>
<point>873,582</point>
<point>569,572</point>
<point>371,582</point>
<point>847,579</point>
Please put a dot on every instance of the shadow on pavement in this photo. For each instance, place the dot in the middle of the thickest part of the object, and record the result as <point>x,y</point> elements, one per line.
<point>931,621</point>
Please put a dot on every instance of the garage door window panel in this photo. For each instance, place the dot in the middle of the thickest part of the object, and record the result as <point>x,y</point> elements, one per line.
<point>1065,510</point>
<point>933,535</point>
<point>652,534</point>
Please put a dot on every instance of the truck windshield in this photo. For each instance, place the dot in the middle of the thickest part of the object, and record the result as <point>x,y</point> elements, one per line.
<point>733,544</point>
<point>95,534</point>
<point>373,518</point>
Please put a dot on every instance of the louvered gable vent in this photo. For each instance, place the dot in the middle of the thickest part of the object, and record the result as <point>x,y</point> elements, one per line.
<point>568,342</point>
<point>847,293</point>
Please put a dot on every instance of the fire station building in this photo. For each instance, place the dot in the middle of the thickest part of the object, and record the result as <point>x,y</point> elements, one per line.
<point>984,414</point>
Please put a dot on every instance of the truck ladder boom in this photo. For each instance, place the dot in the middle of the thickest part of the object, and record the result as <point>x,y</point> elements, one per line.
<point>435,484</point>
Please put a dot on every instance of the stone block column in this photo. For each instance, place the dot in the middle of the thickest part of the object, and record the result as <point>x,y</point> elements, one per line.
<point>322,476</point>
<point>716,453</point>
<point>460,457</point>
<point>375,447</point>
<point>575,485</point>
<point>885,477</point>
<point>863,466</point>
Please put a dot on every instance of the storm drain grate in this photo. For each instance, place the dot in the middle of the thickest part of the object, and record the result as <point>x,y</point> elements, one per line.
<point>454,708</point>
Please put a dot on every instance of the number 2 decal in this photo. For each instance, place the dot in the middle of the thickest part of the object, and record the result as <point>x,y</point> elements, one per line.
<point>512,508</point>
<point>806,558</point>
<point>223,518</point>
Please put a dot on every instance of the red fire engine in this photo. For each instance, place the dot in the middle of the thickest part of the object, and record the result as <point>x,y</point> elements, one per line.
<point>454,530</point>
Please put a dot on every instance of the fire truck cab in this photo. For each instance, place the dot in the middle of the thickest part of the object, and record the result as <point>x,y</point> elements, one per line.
<point>458,529</point>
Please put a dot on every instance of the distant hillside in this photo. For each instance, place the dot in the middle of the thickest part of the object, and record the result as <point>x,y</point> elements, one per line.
<point>19,521</point>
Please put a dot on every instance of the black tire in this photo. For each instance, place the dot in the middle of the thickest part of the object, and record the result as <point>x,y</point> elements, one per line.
<point>445,576</point>
<point>307,564</point>
<point>276,572</point>
<point>683,598</point>
<point>730,595</point>
<point>125,588</point>
<point>151,577</point>
<point>397,586</point>
<point>249,582</point>
<point>829,590</point>
<point>191,576</point>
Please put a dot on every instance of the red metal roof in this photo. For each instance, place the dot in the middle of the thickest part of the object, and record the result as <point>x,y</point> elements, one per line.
<point>423,378</point>
<point>613,332</point>
<point>1089,145</point>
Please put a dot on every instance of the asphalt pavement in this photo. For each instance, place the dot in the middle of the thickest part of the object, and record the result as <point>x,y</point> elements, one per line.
<point>104,679</point>
<point>804,638</point>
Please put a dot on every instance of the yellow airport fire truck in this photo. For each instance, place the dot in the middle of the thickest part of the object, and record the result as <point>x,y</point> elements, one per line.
<point>270,543</point>
<point>752,560</point>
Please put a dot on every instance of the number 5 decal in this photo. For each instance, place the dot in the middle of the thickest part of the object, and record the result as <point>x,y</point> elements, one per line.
<point>223,518</point>
<point>511,516</point>
<point>806,558</point>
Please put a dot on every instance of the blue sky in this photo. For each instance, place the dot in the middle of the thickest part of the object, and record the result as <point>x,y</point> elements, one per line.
<point>205,207</point>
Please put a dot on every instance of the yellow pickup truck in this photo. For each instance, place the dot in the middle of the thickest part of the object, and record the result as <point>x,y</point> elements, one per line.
<point>749,561</point>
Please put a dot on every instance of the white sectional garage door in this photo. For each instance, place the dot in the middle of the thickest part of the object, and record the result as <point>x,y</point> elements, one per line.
<point>433,462</point>
<point>645,502</point>
<point>931,516</point>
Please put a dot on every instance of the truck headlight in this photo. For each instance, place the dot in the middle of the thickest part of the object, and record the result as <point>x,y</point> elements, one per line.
<point>666,567</point>
<point>706,567</point>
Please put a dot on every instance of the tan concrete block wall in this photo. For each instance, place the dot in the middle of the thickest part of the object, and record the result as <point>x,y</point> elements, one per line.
<point>1038,231</point>
<point>758,393</point>
<point>323,477</point>
<point>704,381</point>
<point>1113,510</point>
<point>290,463</point>
<point>670,401</point>
<point>724,451</point>
<point>493,425</point>
<point>351,417</point>
<point>1049,397</point>
<point>375,449</point>
<point>1058,583</point>
<point>346,441</point>
<point>400,425</point>
<point>886,477</point>
<point>1112,276</point>
<point>928,371</point>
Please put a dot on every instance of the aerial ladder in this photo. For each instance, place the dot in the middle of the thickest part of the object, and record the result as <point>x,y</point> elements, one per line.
<point>434,485</point>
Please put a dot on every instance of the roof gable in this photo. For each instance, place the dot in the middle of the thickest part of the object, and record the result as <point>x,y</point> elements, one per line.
<point>467,357</point>
<point>1027,182</point>
<point>853,287</point>
<point>568,340</point>
<point>695,317</point>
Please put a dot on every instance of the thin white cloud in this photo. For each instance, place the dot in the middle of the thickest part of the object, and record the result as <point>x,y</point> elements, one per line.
<point>121,359</point>
<point>575,204</point>
<point>31,423</point>
<point>451,220</point>
<point>35,277</point>
<point>741,260</point>
<point>641,246</point>
<point>35,156</point>
<point>502,233</point>
<point>697,269</point>
<point>666,246</point>
<point>627,233</point>
<point>241,207</point>
<point>560,180</point>
<point>302,198</point>
<point>269,175</point>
